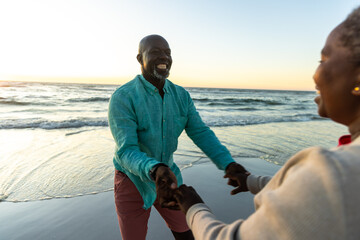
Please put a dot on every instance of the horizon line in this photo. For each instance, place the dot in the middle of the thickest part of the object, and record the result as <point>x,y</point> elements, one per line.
<point>114,84</point>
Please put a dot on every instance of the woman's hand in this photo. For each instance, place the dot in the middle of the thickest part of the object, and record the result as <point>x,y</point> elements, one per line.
<point>186,196</point>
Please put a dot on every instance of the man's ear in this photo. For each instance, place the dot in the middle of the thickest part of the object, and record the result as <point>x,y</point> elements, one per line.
<point>139,58</point>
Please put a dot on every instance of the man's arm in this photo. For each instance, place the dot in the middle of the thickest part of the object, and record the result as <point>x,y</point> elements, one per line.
<point>206,140</point>
<point>123,125</point>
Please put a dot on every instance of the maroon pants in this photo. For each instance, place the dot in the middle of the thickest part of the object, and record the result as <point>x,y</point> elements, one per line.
<point>133,218</point>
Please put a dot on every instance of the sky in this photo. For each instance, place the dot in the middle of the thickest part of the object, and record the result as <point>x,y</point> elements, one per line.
<point>257,44</point>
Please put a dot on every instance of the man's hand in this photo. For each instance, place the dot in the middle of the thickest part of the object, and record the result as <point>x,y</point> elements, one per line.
<point>237,175</point>
<point>166,183</point>
<point>186,197</point>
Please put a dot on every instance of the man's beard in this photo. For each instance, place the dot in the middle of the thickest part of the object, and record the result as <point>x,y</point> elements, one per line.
<point>159,76</point>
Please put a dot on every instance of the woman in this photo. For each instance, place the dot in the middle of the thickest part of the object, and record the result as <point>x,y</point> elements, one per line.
<point>315,195</point>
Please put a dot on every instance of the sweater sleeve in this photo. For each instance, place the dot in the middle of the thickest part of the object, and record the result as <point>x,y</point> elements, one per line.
<point>256,183</point>
<point>205,226</point>
<point>123,125</point>
<point>302,201</point>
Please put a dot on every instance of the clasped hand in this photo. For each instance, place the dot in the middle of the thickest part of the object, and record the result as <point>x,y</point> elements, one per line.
<point>166,184</point>
<point>169,196</point>
<point>237,175</point>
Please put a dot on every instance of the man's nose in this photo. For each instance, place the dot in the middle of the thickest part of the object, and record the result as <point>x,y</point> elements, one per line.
<point>164,55</point>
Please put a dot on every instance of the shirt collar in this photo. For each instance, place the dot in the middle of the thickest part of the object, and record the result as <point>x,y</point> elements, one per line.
<point>151,88</point>
<point>166,86</point>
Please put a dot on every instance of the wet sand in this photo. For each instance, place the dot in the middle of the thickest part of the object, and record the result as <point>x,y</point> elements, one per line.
<point>93,216</point>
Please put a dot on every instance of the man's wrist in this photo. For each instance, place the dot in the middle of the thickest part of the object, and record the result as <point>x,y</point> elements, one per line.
<point>227,167</point>
<point>152,172</point>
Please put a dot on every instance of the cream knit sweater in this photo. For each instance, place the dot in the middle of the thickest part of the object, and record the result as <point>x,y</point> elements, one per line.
<point>315,195</point>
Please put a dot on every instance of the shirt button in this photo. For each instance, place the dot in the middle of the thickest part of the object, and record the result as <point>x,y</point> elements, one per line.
<point>164,136</point>
<point>164,120</point>
<point>163,153</point>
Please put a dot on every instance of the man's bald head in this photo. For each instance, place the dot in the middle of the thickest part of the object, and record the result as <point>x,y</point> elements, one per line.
<point>147,40</point>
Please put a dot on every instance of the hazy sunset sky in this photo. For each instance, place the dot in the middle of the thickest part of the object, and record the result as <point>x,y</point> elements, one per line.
<point>265,44</point>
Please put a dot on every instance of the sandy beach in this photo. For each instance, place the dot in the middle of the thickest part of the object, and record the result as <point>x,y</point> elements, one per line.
<point>93,216</point>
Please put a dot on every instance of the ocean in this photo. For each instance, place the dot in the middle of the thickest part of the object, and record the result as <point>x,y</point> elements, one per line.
<point>55,141</point>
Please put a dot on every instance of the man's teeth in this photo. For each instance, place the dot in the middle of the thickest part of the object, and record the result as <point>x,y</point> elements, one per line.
<point>161,66</point>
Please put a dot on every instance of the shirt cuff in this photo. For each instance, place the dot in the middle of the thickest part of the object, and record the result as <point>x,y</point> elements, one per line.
<point>152,172</point>
<point>229,165</point>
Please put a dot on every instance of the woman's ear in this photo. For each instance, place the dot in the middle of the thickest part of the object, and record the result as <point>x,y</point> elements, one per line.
<point>356,90</point>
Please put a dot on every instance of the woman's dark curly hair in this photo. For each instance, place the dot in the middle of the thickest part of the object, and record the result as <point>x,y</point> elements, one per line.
<point>350,34</point>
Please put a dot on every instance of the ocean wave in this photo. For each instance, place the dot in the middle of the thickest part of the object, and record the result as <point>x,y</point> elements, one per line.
<point>245,121</point>
<point>103,122</point>
<point>228,109</point>
<point>5,101</point>
<point>237,101</point>
<point>91,99</point>
<point>201,99</point>
<point>11,84</point>
<point>47,124</point>
<point>3,197</point>
<point>244,109</point>
<point>13,102</point>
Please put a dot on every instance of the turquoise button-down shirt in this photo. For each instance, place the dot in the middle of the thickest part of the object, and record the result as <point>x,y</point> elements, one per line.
<point>146,130</point>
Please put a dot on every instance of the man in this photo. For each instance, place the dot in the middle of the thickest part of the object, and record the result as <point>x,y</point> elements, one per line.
<point>146,117</point>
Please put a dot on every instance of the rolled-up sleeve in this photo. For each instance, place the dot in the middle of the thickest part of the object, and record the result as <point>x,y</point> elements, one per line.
<point>123,125</point>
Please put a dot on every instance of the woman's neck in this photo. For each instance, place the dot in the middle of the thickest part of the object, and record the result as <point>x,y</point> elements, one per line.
<point>354,129</point>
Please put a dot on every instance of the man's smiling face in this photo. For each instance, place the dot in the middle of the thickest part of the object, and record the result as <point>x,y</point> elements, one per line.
<point>155,57</point>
